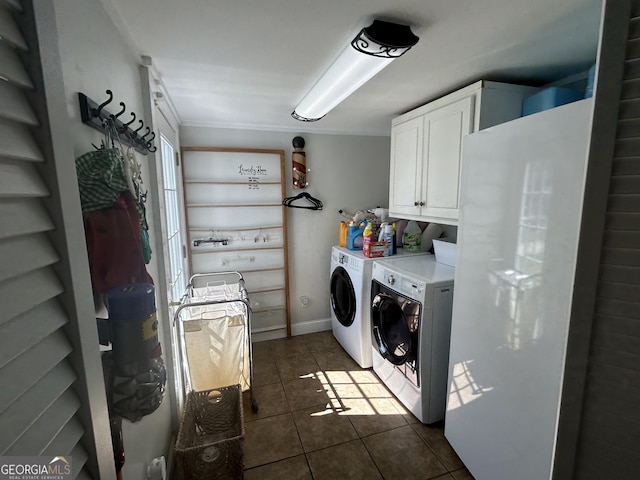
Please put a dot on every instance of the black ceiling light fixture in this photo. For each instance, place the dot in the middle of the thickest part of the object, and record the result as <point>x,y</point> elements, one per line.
<point>373,48</point>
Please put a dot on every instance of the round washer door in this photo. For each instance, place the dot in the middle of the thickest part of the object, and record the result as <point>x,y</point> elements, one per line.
<point>343,297</point>
<point>391,332</point>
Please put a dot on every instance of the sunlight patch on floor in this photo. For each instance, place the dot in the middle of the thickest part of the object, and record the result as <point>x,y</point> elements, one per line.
<point>354,393</point>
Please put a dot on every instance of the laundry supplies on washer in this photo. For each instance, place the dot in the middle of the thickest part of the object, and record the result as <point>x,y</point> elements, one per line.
<point>354,236</point>
<point>412,236</point>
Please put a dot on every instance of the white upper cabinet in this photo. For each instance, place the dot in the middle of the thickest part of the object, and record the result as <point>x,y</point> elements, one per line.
<point>426,147</point>
<point>444,129</point>
<point>406,144</point>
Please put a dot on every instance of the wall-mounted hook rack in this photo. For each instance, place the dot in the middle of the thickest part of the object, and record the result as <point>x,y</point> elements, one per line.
<point>95,115</point>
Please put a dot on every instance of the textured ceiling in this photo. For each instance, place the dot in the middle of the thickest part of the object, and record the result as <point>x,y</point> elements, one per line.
<point>246,64</point>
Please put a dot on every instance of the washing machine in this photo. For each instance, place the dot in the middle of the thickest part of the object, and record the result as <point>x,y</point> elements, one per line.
<point>350,296</point>
<point>411,303</point>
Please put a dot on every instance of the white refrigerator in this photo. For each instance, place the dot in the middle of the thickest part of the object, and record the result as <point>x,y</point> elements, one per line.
<point>522,192</point>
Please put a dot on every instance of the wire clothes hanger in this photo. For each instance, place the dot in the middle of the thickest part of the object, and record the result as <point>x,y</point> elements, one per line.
<point>314,203</point>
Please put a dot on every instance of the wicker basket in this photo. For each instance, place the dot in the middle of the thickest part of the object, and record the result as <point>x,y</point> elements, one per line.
<point>210,442</point>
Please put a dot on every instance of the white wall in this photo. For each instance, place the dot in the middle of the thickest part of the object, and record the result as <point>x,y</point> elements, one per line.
<point>346,172</point>
<point>95,58</point>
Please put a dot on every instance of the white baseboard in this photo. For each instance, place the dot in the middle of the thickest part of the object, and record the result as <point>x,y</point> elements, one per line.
<point>312,326</point>
<point>302,328</point>
<point>261,336</point>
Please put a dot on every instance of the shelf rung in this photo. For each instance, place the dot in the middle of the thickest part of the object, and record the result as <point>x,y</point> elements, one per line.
<point>248,205</point>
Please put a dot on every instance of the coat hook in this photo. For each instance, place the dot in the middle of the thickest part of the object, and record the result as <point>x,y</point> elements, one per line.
<point>124,107</point>
<point>149,143</point>
<point>132,120</point>
<point>145,134</point>
<point>125,126</point>
<point>140,127</point>
<point>96,112</point>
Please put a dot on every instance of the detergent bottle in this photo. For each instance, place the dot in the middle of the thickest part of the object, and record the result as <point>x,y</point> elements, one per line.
<point>411,237</point>
<point>354,236</point>
<point>344,233</point>
<point>367,234</point>
<point>395,239</point>
<point>367,240</point>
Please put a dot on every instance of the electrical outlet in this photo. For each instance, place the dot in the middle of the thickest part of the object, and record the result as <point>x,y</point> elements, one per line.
<point>157,469</point>
<point>304,301</point>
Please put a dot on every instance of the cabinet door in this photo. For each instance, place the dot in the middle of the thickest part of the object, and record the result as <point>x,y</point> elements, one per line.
<point>444,129</point>
<point>406,167</point>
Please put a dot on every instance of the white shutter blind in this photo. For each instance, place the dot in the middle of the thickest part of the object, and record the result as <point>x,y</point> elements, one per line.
<point>39,409</point>
<point>609,442</point>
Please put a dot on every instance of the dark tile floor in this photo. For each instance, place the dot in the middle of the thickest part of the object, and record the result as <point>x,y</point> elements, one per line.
<point>321,416</point>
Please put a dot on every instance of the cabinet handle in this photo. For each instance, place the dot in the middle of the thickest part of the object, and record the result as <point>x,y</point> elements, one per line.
<point>415,204</point>
<point>422,204</point>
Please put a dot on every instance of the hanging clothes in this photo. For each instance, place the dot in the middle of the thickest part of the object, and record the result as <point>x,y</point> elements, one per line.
<point>103,175</point>
<point>141,199</point>
<point>134,179</point>
<point>102,178</point>
<point>113,245</point>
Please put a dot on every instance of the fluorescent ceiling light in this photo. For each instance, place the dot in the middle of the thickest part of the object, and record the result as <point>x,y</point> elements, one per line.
<point>375,47</point>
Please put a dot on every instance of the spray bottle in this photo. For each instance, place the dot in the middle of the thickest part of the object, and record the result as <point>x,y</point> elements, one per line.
<point>389,237</point>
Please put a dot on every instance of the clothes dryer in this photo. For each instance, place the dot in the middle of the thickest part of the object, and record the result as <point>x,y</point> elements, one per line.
<point>411,303</point>
<point>350,297</point>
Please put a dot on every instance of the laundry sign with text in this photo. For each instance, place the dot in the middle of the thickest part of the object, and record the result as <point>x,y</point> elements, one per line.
<point>253,174</point>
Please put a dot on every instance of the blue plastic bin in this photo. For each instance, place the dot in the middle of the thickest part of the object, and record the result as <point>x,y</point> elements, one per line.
<point>549,98</point>
<point>588,92</point>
